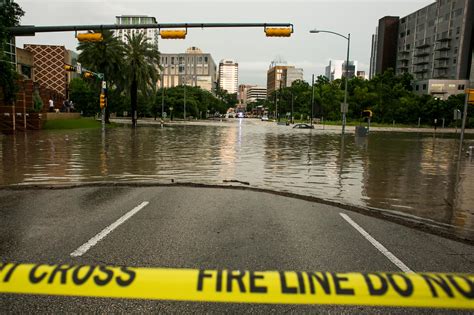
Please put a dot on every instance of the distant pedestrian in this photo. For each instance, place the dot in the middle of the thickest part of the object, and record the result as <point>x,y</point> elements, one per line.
<point>51,105</point>
<point>71,106</point>
<point>66,106</point>
<point>435,124</point>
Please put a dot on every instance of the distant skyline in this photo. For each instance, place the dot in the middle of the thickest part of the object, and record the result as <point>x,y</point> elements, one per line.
<point>249,47</point>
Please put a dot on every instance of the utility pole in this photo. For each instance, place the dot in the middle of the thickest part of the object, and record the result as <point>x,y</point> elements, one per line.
<point>162,96</point>
<point>463,126</point>
<point>312,100</point>
<point>184,80</point>
<point>292,106</point>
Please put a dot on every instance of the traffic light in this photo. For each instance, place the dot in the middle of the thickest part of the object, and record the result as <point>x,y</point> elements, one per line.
<point>102,100</point>
<point>88,74</point>
<point>69,68</point>
<point>173,34</point>
<point>470,96</point>
<point>90,37</point>
<point>367,113</point>
<point>278,32</point>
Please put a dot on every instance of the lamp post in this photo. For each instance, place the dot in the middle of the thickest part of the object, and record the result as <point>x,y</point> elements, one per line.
<point>348,38</point>
<point>312,101</point>
<point>184,81</point>
<point>162,97</point>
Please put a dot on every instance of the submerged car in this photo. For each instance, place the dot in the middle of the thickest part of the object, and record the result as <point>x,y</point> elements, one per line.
<point>303,126</point>
<point>264,118</point>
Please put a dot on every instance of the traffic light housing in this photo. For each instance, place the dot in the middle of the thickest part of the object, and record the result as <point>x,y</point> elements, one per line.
<point>90,37</point>
<point>278,31</point>
<point>70,68</point>
<point>88,74</point>
<point>367,113</point>
<point>470,96</point>
<point>173,34</point>
<point>102,100</point>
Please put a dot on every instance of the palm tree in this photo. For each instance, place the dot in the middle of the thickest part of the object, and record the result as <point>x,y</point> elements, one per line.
<point>142,64</point>
<point>105,57</point>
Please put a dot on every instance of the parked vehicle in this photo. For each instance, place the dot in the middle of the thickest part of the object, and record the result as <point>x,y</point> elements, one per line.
<point>264,118</point>
<point>303,126</point>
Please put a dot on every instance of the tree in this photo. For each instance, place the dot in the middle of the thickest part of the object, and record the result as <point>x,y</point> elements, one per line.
<point>142,62</point>
<point>105,57</point>
<point>84,97</point>
<point>10,15</point>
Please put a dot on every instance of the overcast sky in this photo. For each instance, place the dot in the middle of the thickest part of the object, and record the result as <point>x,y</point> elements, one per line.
<point>249,47</point>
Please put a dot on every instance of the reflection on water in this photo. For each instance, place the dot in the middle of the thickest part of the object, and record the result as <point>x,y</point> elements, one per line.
<point>412,173</point>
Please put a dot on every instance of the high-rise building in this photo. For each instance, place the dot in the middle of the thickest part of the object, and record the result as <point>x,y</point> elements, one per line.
<point>228,75</point>
<point>291,75</point>
<point>337,69</point>
<point>384,43</point>
<point>281,75</point>
<point>193,68</point>
<point>242,93</point>
<point>434,44</point>
<point>152,33</point>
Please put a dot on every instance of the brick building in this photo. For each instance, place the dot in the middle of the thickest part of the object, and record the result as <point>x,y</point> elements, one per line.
<point>49,63</point>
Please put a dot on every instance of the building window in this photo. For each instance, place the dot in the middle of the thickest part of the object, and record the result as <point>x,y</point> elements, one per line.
<point>402,34</point>
<point>403,20</point>
<point>408,32</point>
<point>424,87</point>
<point>417,87</point>
<point>461,87</point>
<point>454,61</point>
<point>458,30</point>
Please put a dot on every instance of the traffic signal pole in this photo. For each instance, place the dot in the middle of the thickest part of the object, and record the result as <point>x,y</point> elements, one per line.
<point>30,30</point>
<point>463,126</point>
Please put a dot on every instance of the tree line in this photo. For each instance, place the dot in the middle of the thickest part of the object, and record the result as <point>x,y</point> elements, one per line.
<point>132,71</point>
<point>390,98</point>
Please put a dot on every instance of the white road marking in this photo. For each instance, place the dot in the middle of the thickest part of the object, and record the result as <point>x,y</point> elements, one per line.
<point>93,241</point>
<point>377,245</point>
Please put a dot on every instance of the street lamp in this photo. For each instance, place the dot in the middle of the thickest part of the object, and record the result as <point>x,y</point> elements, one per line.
<point>348,38</point>
<point>162,96</point>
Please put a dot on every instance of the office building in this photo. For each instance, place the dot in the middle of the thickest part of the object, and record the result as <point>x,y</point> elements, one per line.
<point>281,75</point>
<point>25,64</point>
<point>255,93</point>
<point>192,67</point>
<point>434,44</point>
<point>152,33</point>
<point>291,75</point>
<point>228,75</point>
<point>362,75</point>
<point>242,93</point>
<point>337,69</point>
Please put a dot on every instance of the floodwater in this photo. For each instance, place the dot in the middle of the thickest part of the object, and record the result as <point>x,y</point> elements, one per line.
<point>411,174</point>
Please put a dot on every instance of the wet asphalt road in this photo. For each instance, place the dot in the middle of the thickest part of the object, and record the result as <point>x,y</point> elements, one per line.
<point>185,227</point>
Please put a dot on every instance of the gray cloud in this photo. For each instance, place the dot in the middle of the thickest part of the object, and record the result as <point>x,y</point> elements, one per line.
<point>249,47</point>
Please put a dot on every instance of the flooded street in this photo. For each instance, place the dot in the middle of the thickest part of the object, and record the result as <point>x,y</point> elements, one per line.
<point>411,173</point>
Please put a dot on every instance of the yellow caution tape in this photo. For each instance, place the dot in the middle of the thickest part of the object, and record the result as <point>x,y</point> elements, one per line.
<point>438,290</point>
